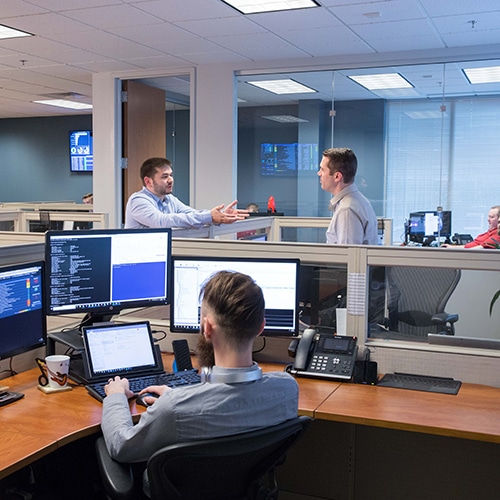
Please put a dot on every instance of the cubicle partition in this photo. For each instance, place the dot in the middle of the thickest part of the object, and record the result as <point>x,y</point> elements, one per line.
<point>341,276</point>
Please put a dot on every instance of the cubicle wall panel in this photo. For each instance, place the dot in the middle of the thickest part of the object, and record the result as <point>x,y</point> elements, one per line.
<point>395,465</point>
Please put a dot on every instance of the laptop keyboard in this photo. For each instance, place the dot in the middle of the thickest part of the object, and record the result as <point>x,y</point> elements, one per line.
<point>175,379</point>
<point>420,383</point>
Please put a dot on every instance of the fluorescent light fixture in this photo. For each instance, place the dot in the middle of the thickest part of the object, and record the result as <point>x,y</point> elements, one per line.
<point>6,32</point>
<point>382,81</point>
<point>62,103</point>
<point>256,6</point>
<point>285,119</point>
<point>279,87</point>
<point>483,75</point>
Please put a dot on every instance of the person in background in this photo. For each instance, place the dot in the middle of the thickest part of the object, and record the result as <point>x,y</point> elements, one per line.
<point>236,396</point>
<point>490,238</point>
<point>253,207</point>
<point>353,221</point>
<point>156,206</point>
<point>88,199</point>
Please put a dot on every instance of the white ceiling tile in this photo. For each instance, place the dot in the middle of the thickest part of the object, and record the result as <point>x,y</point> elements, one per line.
<point>16,8</point>
<point>112,16</point>
<point>216,27</point>
<point>48,25</point>
<point>186,10</point>
<point>327,41</point>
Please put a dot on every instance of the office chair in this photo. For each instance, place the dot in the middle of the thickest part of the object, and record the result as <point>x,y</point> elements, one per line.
<point>225,468</point>
<point>417,300</point>
<point>44,220</point>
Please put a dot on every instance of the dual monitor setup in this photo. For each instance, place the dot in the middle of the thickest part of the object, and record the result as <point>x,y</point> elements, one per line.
<point>99,273</point>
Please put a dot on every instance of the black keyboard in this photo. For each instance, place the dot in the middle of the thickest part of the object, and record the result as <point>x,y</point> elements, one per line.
<point>175,379</point>
<point>425,383</point>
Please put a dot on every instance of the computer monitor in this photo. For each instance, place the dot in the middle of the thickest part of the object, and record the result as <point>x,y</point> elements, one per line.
<point>22,316</point>
<point>81,151</point>
<point>103,271</point>
<point>428,225</point>
<point>278,279</point>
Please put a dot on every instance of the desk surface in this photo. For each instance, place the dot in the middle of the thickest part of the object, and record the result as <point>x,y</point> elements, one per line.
<point>40,423</point>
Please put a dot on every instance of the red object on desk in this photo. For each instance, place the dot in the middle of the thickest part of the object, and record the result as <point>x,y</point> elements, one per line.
<point>271,205</point>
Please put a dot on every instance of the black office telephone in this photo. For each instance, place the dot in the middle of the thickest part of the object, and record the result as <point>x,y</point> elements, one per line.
<point>324,355</point>
<point>461,239</point>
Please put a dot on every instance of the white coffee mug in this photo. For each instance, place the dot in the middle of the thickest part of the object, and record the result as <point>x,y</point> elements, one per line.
<point>57,370</point>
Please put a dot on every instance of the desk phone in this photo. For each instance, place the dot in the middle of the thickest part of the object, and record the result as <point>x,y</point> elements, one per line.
<point>325,355</point>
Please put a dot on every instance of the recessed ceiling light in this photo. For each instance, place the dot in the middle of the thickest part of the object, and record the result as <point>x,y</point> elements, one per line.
<point>285,119</point>
<point>62,103</point>
<point>256,6</point>
<point>6,32</point>
<point>279,87</point>
<point>382,81</point>
<point>483,75</point>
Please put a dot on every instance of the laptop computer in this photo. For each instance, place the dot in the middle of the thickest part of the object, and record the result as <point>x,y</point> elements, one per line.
<point>127,350</point>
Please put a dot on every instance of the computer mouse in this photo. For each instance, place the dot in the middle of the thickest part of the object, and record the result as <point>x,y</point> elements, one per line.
<point>140,398</point>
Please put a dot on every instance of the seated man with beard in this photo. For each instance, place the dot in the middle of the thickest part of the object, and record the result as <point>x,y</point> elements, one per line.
<point>236,396</point>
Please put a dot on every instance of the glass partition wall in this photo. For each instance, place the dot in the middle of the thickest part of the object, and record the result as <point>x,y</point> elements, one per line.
<point>426,138</point>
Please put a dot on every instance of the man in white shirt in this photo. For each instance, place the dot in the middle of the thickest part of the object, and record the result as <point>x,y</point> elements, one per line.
<point>353,221</point>
<point>156,206</point>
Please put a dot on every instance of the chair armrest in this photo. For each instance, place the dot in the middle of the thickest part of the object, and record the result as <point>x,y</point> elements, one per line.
<point>117,478</point>
<point>443,318</point>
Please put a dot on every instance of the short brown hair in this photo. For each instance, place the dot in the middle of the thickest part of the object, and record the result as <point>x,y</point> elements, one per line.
<point>149,166</point>
<point>342,160</point>
<point>237,303</point>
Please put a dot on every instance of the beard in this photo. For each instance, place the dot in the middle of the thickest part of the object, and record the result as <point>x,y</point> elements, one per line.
<point>205,351</point>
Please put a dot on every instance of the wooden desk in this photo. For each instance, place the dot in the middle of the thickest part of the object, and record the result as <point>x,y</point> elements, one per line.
<point>39,423</point>
<point>474,413</point>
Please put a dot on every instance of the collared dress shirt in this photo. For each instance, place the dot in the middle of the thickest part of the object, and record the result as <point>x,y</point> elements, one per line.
<point>353,221</point>
<point>144,209</point>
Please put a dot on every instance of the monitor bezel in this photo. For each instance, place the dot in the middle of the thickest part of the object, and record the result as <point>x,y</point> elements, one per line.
<point>108,310</point>
<point>268,330</point>
<point>43,323</point>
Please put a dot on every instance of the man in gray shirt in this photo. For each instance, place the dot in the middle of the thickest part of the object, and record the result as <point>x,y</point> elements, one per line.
<point>156,206</point>
<point>235,397</point>
<point>353,221</point>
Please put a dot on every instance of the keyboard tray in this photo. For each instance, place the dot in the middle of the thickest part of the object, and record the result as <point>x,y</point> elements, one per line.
<point>425,383</point>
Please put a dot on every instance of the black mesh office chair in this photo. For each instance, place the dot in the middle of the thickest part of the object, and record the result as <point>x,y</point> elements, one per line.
<point>226,468</point>
<point>44,220</point>
<point>417,298</point>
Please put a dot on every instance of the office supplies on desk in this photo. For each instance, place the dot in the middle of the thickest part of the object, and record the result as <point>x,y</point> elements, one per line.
<point>127,350</point>
<point>443,385</point>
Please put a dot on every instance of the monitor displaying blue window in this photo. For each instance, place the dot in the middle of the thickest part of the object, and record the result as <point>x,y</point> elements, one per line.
<point>102,271</point>
<point>81,151</point>
<point>22,315</point>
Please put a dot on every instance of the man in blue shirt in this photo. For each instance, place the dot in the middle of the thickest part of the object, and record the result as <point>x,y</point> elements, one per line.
<point>156,206</point>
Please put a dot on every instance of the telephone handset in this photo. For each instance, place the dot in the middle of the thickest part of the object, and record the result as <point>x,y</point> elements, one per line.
<point>325,355</point>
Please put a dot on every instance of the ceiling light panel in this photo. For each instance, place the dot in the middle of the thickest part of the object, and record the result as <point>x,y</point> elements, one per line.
<point>382,81</point>
<point>6,32</point>
<point>256,6</point>
<point>280,87</point>
<point>285,119</point>
<point>483,75</point>
<point>62,103</point>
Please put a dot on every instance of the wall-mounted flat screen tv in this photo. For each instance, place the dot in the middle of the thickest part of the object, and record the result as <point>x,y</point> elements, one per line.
<point>285,160</point>
<point>81,151</point>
